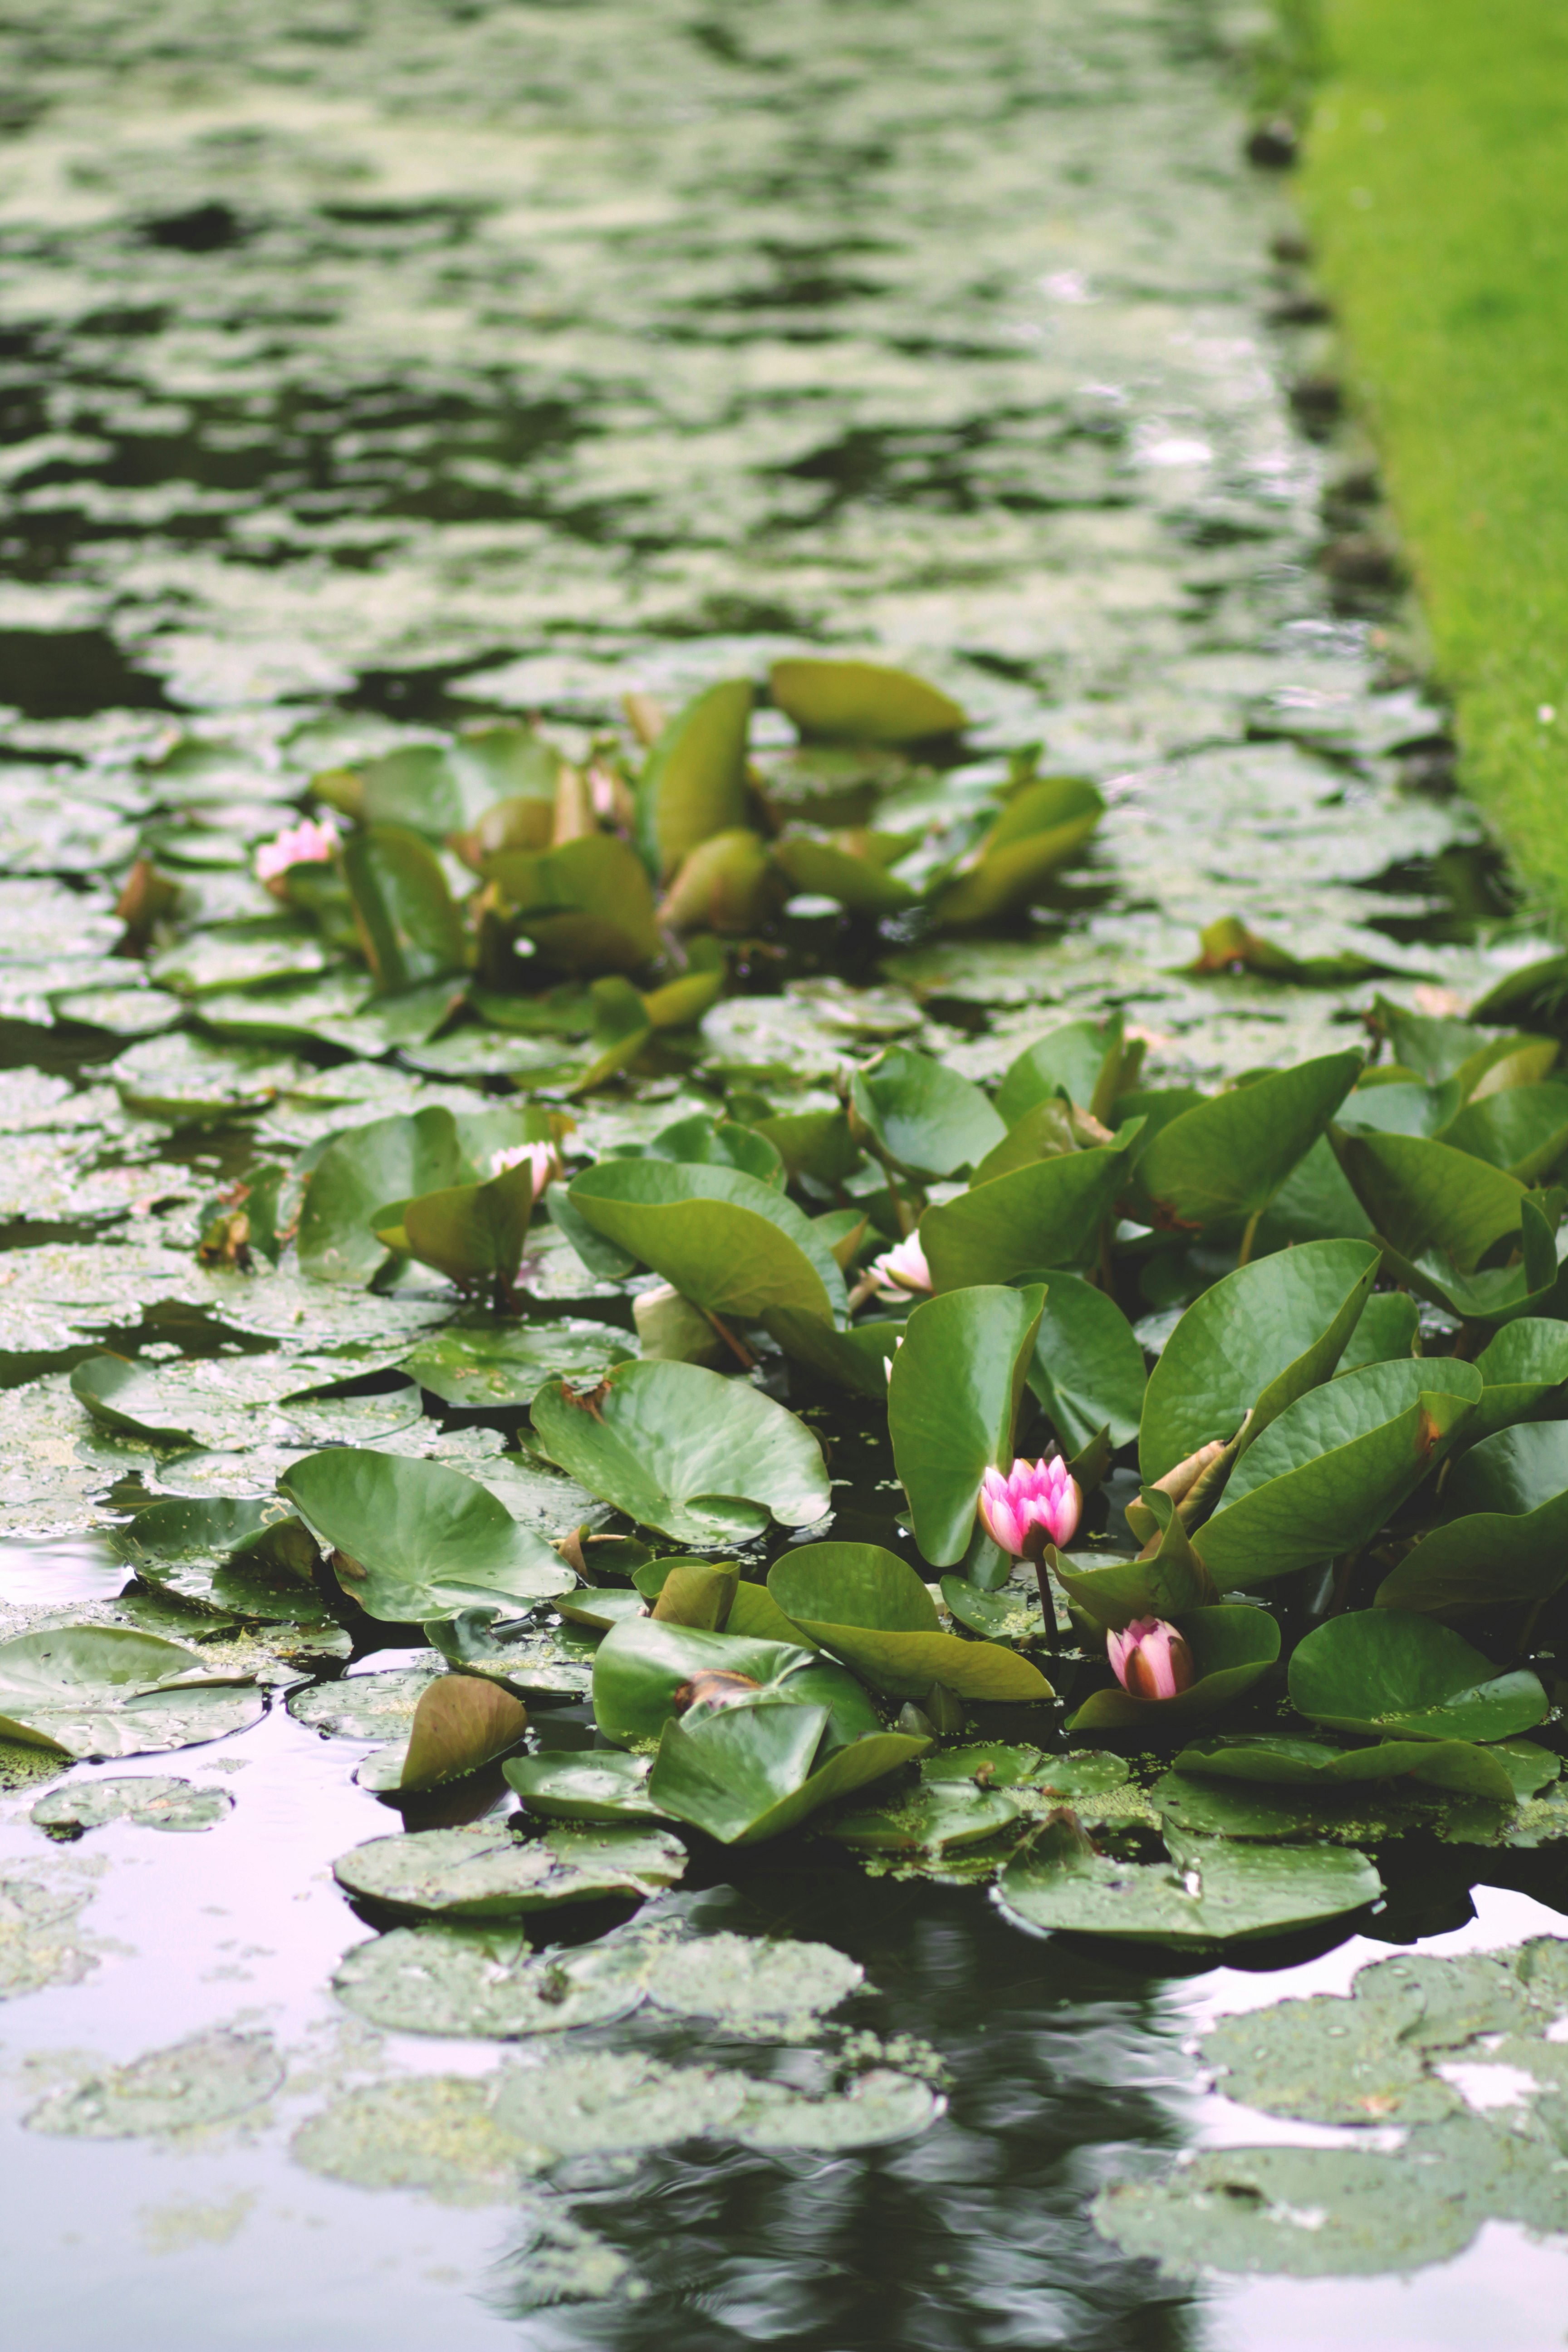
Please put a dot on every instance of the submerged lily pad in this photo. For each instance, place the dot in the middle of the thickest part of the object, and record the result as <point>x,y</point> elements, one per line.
<point>876,2108</point>
<point>41,1941</point>
<point>436,2133</point>
<point>486,1873</point>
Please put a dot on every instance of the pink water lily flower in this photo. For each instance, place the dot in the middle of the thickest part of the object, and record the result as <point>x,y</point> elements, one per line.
<point>309,843</point>
<point>541,1157</point>
<point>903,1267</point>
<point>1037,1503</point>
<point>1150,1659</point>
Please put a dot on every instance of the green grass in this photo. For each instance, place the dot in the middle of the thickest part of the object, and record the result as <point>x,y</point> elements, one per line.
<point>1435,187</point>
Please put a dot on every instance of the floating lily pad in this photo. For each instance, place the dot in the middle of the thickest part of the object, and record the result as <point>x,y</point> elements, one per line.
<point>102,1690</point>
<point>195,2084</point>
<point>487,1982</point>
<point>488,1873</point>
<point>462,1722</point>
<point>1089,1773</point>
<point>1210,1892</point>
<point>605,2102</point>
<point>1506,1540</point>
<point>701,1458</point>
<point>362,1706</point>
<point>1014,1615</point>
<point>413,1541</point>
<point>929,1820</point>
<point>1392,1672</point>
<point>506,1363</point>
<point>151,1802</point>
<point>1499,1773</point>
<point>535,1663</point>
<point>749,1985</point>
<point>922,1117</point>
<point>588,1785</point>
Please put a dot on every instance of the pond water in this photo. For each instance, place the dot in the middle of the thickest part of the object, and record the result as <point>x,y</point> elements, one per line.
<point>368,369</point>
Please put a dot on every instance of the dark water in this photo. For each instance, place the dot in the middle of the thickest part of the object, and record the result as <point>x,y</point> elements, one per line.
<point>372,367</point>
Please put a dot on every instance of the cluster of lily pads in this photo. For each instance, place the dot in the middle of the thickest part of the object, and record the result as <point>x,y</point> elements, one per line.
<point>1253,1560</point>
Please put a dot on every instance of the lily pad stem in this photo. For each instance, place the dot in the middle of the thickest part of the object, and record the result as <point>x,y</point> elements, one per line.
<point>737,1346</point>
<point>1248,1236</point>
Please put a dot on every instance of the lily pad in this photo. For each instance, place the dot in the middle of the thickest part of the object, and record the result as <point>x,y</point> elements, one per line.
<point>929,1820</point>
<point>363,1705</point>
<point>386,1160</point>
<point>1506,1542</point>
<point>1043,1215</point>
<point>871,1609</point>
<point>197,2084</point>
<point>861,702</point>
<point>647,1672</point>
<point>553,1662</point>
<point>1455,1764</point>
<point>486,1873</point>
<point>1426,1196</point>
<point>434,2133</point>
<point>751,1771</point>
<point>487,1982</point>
<point>92,1691</point>
<point>586,1785</point>
<point>1039,829</point>
<point>484,1366</point>
<point>1211,1891</point>
<point>461,1723</point>
<point>1325,1476</point>
<point>953,1404</point>
<point>152,1802</point>
<point>1255,1342</point>
<point>877,2107</point>
<point>694,782</point>
<point>1394,1674</point>
<point>413,1541</point>
<point>1232,1649</point>
<point>701,1458</point>
<point>409,927</point>
<point>747,1984</point>
<point>920,1117</point>
<point>1087,1367</point>
<point>1522,1366</point>
<point>727,1241</point>
<point>1229,1156</point>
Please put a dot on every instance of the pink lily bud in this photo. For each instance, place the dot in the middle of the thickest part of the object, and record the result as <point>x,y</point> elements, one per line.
<point>1037,1504</point>
<point>540,1156</point>
<point>902,1267</point>
<point>305,844</point>
<point>1150,1659</point>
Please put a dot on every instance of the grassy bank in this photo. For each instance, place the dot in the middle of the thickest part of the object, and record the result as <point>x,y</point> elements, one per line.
<point>1436,186</point>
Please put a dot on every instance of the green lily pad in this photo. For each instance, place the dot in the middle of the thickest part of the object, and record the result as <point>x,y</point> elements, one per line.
<point>92,1691</point>
<point>1455,1764</point>
<point>693,784</point>
<point>953,1404</point>
<point>929,1820</point>
<point>877,2107</point>
<point>1392,1672</point>
<point>1521,1366</point>
<point>386,1160</point>
<point>486,1873</point>
<point>1039,829</point>
<point>647,1670</point>
<point>587,906</point>
<point>861,702</point>
<point>1325,1476</point>
<point>363,1705</point>
<point>535,1663</point>
<point>1013,1615</point>
<point>870,1608</point>
<point>1426,1196</point>
<point>1229,1156</point>
<point>442,788</point>
<point>751,1772</point>
<point>596,1784</point>
<point>1506,1542</point>
<point>487,1983</point>
<point>855,1360</point>
<point>484,1366</point>
<point>1042,1215</point>
<point>993,1764</point>
<point>1256,1342</point>
<point>408,924</point>
<point>1386,1331</point>
<point>415,1540</point>
<point>1211,1892</point>
<point>922,1117</point>
<point>1232,1649</point>
<point>1073,1060</point>
<point>701,1458</point>
<point>1087,1369</point>
<point>200,2083</point>
<point>151,1800</point>
<point>727,1241</point>
<point>746,1984</point>
<point>470,1232</point>
<point>433,2133</point>
<point>1523,1130</point>
<point>851,867</point>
